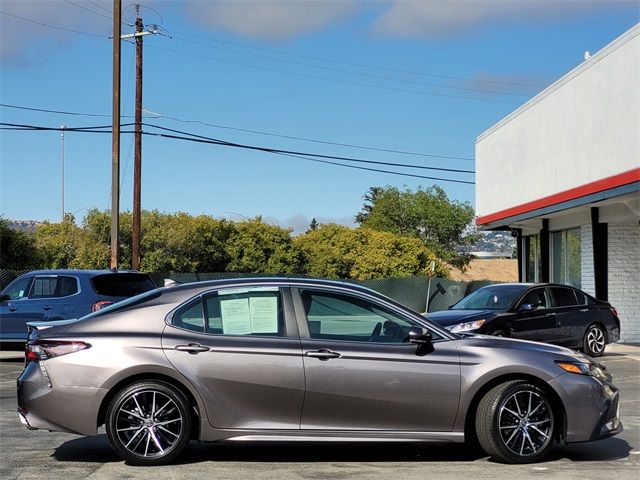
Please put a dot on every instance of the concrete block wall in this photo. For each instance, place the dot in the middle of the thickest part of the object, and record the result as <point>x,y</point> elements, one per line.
<point>624,278</point>
<point>588,282</point>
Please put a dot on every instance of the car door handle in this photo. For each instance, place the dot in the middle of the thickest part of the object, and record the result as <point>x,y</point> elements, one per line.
<point>323,354</point>
<point>583,310</point>
<point>192,348</point>
<point>48,307</point>
<point>552,314</point>
<point>13,309</point>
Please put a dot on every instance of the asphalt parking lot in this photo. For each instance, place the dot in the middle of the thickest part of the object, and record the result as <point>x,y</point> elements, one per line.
<point>40,454</point>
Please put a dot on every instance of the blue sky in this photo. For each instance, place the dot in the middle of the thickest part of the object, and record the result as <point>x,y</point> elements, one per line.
<point>225,75</point>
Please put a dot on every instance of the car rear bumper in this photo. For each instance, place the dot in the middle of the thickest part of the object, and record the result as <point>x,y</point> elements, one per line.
<point>591,407</point>
<point>45,404</point>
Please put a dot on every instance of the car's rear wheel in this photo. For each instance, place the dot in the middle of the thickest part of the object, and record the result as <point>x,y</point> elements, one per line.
<point>148,423</point>
<point>515,422</point>
<point>595,341</point>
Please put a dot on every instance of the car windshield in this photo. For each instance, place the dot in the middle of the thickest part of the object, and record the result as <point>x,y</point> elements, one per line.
<point>493,297</point>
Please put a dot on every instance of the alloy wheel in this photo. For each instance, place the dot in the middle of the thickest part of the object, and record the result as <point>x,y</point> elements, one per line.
<point>525,423</point>
<point>148,423</point>
<point>595,340</point>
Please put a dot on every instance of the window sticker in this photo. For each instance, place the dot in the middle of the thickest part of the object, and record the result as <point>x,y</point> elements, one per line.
<point>235,315</point>
<point>264,314</point>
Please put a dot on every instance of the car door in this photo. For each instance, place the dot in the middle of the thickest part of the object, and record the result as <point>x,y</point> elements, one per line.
<point>12,326</point>
<point>41,299</point>
<point>573,319</point>
<point>540,323</point>
<point>362,375</point>
<point>240,348</point>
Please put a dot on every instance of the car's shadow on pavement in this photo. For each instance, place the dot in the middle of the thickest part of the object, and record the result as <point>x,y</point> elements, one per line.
<point>97,449</point>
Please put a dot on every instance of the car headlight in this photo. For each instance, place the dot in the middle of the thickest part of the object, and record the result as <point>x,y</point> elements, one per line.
<point>466,327</point>
<point>583,368</point>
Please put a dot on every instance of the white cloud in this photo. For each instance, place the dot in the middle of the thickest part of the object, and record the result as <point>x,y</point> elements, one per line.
<point>271,19</point>
<point>25,40</point>
<point>447,18</point>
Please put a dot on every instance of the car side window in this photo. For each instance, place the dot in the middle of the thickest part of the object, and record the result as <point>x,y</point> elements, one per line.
<point>343,317</point>
<point>245,311</point>
<point>582,298</point>
<point>564,297</point>
<point>234,311</point>
<point>190,316</point>
<point>53,286</point>
<point>538,298</point>
<point>17,289</point>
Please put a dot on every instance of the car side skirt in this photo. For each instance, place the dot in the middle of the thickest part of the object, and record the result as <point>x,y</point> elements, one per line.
<point>330,436</point>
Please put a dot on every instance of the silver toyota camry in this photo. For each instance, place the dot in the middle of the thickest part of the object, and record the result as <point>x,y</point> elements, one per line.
<point>302,360</point>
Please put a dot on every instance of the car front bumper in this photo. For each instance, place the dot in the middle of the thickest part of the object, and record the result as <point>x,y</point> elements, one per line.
<point>591,407</point>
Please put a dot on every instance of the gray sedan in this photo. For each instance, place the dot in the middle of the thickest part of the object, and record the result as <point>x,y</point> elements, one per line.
<point>302,360</point>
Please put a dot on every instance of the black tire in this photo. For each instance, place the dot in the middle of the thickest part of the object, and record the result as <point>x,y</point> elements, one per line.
<point>595,340</point>
<point>515,422</point>
<point>141,438</point>
<point>499,333</point>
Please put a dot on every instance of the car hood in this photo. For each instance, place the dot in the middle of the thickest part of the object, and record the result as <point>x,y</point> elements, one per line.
<point>515,344</point>
<point>447,318</point>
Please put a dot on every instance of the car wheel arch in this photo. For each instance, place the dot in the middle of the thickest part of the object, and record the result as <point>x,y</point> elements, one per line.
<point>556,403</point>
<point>194,402</point>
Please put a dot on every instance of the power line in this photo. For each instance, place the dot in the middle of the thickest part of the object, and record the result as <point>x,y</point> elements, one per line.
<point>52,26</point>
<point>361,74</point>
<point>330,79</point>
<point>258,132</point>
<point>306,154</point>
<point>198,140</point>
<point>100,6</point>
<point>61,112</point>
<point>304,139</point>
<point>205,140</point>
<point>89,10</point>
<point>361,65</point>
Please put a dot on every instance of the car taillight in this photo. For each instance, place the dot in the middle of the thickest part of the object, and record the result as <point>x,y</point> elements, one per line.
<point>614,311</point>
<point>100,305</point>
<point>42,349</point>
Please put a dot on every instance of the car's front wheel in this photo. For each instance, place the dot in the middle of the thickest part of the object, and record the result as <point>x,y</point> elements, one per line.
<point>515,422</point>
<point>148,423</point>
<point>595,341</point>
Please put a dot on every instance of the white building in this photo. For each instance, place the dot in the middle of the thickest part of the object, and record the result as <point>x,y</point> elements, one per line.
<point>563,172</point>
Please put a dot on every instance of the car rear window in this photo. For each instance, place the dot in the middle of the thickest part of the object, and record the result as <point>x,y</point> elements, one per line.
<point>121,284</point>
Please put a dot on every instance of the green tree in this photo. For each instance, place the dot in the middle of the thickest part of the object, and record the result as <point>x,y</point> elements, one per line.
<point>183,243</point>
<point>58,243</point>
<point>427,214</point>
<point>17,249</point>
<point>314,224</point>
<point>336,251</point>
<point>257,247</point>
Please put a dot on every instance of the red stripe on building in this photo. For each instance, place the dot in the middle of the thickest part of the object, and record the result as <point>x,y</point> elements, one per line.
<point>571,194</point>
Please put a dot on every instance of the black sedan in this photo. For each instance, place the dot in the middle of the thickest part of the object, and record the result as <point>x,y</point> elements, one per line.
<point>549,313</point>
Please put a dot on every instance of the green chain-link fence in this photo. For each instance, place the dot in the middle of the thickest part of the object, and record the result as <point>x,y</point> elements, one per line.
<point>410,291</point>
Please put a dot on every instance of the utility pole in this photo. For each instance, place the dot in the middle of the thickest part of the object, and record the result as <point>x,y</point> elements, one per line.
<point>62,206</point>
<point>115,138</point>
<point>137,161</point>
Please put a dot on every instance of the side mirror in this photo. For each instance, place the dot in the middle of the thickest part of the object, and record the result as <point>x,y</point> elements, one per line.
<point>526,307</point>
<point>4,298</point>
<point>419,336</point>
